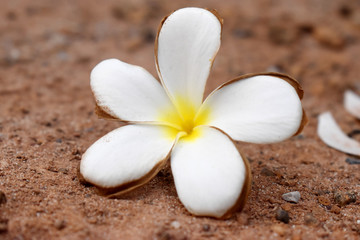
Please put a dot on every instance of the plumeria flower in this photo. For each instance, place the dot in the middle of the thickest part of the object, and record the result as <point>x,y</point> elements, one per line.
<point>171,120</point>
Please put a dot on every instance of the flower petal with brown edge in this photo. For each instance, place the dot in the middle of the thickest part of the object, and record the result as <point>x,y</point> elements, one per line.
<point>185,48</point>
<point>257,108</point>
<point>127,157</point>
<point>127,92</point>
<point>211,177</point>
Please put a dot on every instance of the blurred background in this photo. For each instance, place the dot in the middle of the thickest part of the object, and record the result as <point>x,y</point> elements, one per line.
<point>47,120</point>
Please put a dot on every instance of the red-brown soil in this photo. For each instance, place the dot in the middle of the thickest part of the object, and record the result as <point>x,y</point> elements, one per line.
<point>47,120</point>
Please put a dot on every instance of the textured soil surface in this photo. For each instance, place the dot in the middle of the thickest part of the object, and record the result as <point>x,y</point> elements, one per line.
<point>47,120</point>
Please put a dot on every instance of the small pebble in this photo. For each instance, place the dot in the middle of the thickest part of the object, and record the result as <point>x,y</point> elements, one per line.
<point>335,209</point>
<point>352,161</point>
<point>275,68</point>
<point>324,201</point>
<point>243,33</point>
<point>280,230</point>
<point>345,11</point>
<point>60,224</point>
<point>329,37</point>
<point>282,35</point>
<point>3,225</point>
<point>2,198</point>
<point>206,227</point>
<point>286,206</point>
<point>63,170</point>
<point>309,219</point>
<point>267,172</point>
<point>292,197</point>
<point>175,224</point>
<point>344,198</point>
<point>282,215</point>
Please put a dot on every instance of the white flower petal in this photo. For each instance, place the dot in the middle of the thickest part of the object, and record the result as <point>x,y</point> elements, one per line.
<point>127,157</point>
<point>331,134</point>
<point>128,92</point>
<point>262,108</point>
<point>211,177</point>
<point>352,103</point>
<point>185,49</point>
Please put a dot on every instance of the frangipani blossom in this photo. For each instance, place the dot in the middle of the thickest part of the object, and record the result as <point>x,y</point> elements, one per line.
<point>171,120</point>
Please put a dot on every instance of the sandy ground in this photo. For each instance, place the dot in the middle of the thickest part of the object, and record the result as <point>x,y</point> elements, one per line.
<point>47,120</point>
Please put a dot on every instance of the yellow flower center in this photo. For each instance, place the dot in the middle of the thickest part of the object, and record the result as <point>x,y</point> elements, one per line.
<point>184,119</point>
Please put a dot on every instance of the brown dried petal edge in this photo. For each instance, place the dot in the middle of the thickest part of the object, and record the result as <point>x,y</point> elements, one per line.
<point>121,189</point>
<point>102,113</point>
<point>293,82</point>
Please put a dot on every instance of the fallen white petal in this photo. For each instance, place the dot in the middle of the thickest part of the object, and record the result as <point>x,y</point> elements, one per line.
<point>209,173</point>
<point>258,109</point>
<point>128,92</point>
<point>126,155</point>
<point>352,103</point>
<point>185,50</point>
<point>331,134</point>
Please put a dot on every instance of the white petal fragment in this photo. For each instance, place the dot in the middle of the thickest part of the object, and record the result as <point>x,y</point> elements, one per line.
<point>352,103</point>
<point>125,155</point>
<point>209,173</point>
<point>331,134</point>
<point>186,47</point>
<point>259,109</point>
<point>127,92</point>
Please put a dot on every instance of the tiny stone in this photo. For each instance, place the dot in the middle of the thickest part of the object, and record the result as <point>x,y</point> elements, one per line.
<point>300,136</point>
<point>286,206</point>
<point>309,219</point>
<point>243,33</point>
<point>280,230</point>
<point>329,37</point>
<point>267,172</point>
<point>345,11</point>
<point>296,236</point>
<point>324,201</point>
<point>272,200</point>
<point>292,197</point>
<point>321,192</point>
<point>352,161</point>
<point>358,221</point>
<point>335,209</point>
<point>63,170</point>
<point>343,199</point>
<point>275,68</point>
<point>60,224</point>
<point>282,215</point>
<point>206,227</point>
<point>2,198</point>
<point>282,35</point>
<point>76,152</point>
<point>3,225</point>
<point>175,224</point>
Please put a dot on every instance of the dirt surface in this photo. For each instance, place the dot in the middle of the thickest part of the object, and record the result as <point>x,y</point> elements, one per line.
<point>47,120</point>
